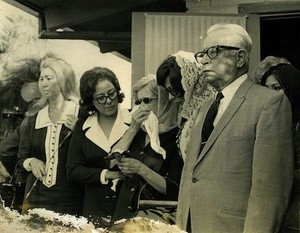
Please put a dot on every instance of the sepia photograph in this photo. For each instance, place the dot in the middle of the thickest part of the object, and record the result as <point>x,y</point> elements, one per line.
<point>149,116</point>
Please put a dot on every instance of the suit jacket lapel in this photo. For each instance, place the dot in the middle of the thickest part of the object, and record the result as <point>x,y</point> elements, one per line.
<point>234,105</point>
<point>196,133</point>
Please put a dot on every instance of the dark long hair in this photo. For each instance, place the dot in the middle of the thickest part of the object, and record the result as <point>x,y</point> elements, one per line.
<point>169,67</point>
<point>289,78</point>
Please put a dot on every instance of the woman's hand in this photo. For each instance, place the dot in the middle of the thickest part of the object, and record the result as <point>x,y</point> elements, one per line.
<point>38,168</point>
<point>71,121</point>
<point>129,166</point>
<point>139,116</point>
<point>4,175</point>
<point>112,175</point>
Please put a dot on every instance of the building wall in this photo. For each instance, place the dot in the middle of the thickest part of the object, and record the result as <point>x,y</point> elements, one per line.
<point>256,12</point>
<point>224,6</point>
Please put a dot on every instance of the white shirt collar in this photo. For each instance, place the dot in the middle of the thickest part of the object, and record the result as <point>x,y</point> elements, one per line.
<point>43,119</point>
<point>229,91</point>
<point>96,134</point>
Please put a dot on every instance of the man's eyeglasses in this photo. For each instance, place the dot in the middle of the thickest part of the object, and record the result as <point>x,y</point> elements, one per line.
<point>102,99</point>
<point>213,51</point>
<point>144,100</point>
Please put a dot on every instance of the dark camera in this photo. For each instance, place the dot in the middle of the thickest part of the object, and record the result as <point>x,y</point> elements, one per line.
<point>15,112</point>
<point>12,195</point>
<point>116,155</point>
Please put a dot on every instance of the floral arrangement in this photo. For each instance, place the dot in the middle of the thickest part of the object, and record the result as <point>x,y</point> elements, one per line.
<point>41,220</point>
<point>45,221</point>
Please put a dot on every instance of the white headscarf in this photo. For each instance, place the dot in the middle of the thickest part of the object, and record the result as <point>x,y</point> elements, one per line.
<point>166,112</point>
<point>164,120</point>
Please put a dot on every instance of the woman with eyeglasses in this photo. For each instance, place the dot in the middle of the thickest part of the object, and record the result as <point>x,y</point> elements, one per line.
<point>102,123</point>
<point>44,142</point>
<point>151,164</point>
<point>285,78</point>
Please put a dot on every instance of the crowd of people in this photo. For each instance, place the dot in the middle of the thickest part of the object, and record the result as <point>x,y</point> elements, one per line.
<point>201,131</point>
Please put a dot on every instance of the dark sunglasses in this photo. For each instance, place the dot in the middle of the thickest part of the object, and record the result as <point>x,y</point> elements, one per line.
<point>144,100</point>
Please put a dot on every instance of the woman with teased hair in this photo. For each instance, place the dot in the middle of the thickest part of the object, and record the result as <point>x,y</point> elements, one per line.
<point>44,142</point>
<point>65,75</point>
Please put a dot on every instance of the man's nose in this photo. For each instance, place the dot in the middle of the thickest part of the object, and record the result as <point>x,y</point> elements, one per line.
<point>204,60</point>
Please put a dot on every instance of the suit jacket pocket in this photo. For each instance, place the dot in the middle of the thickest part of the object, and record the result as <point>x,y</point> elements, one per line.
<point>234,212</point>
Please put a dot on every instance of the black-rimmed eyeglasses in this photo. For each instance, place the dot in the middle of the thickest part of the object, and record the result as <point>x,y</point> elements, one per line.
<point>144,100</point>
<point>213,51</point>
<point>102,99</point>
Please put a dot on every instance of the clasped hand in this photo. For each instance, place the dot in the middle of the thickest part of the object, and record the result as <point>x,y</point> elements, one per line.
<point>71,121</point>
<point>130,166</point>
<point>139,116</point>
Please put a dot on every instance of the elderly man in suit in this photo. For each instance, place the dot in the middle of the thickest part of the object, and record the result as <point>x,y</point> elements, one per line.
<point>238,171</point>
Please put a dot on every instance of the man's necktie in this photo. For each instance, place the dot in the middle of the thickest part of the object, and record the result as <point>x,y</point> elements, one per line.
<point>208,124</point>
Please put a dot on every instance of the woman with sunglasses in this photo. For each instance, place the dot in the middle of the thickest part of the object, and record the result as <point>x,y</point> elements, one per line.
<point>101,124</point>
<point>152,165</point>
<point>285,78</point>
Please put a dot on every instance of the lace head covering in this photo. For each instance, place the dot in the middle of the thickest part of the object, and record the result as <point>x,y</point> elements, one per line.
<point>197,92</point>
<point>166,112</point>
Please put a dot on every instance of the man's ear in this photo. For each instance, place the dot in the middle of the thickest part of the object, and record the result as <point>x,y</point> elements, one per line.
<point>241,58</point>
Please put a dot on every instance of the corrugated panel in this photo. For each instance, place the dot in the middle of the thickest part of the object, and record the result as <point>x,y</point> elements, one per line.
<point>167,34</point>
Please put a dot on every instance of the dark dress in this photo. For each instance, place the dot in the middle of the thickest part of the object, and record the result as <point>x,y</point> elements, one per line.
<point>62,197</point>
<point>135,187</point>
<point>86,163</point>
